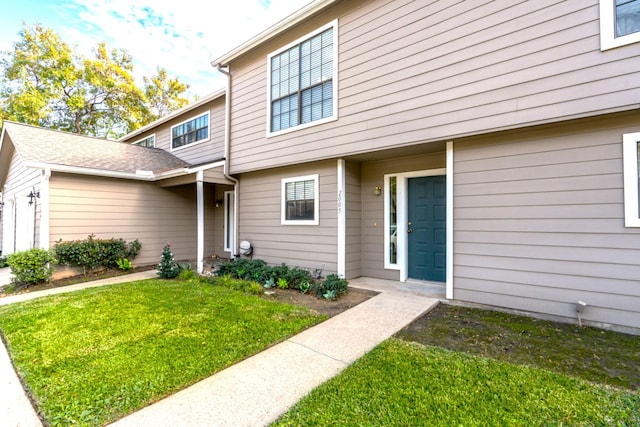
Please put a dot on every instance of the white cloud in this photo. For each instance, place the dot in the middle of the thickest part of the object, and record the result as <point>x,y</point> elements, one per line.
<point>183,37</point>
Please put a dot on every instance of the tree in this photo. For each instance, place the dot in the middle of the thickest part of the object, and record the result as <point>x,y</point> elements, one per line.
<point>44,82</point>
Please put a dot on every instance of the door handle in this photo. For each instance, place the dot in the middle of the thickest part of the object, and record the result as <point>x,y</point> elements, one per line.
<point>410,230</point>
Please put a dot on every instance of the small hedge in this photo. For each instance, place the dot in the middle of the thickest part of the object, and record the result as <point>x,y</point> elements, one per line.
<point>282,276</point>
<point>31,267</point>
<point>91,253</point>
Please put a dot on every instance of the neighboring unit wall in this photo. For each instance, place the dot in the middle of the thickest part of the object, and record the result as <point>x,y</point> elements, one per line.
<point>416,71</point>
<point>209,150</point>
<point>539,222</point>
<point>373,207</point>
<point>307,246</point>
<point>83,205</point>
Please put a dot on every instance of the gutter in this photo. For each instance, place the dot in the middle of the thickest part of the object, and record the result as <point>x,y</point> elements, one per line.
<point>139,175</point>
<point>226,70</point>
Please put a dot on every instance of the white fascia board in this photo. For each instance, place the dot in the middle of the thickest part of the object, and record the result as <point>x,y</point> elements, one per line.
<point>280,27</point>
<point>140,176</point>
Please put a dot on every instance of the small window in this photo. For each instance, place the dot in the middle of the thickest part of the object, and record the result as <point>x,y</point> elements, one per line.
<point>631,161</point>
<point>302,86</point>
<point>300,200</point>
<point>149,142</point>
<point>190,132</point>
<point>619,23</point>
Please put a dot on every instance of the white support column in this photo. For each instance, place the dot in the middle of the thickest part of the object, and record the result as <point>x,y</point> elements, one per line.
<point>342,220</point>
<point>449,282</point>
<point>44,209</point>
<point>200,209</point>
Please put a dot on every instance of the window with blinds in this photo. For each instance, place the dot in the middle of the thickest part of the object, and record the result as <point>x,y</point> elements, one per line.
<point>149,141</point>
<point>300,201</point>
<point>301,81</point>
<point>191,131</point>
<point>627,17</point>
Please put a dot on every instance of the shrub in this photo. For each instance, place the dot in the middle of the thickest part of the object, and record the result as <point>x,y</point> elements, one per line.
<point>31,267</point>
<point>91,253</point>
<point>124,264</point>
<point>242,268</point>
<point>296,276</point>
<point>332,287</point>
<point>3,261</point>
<point>167,269</point>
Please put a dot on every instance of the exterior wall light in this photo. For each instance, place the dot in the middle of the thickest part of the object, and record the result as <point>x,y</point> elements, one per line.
<point>377,190</point>
<point>33,195</point>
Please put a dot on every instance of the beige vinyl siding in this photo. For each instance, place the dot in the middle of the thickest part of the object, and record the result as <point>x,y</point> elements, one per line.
<point>539,222</point>
<point>414,71</point>
<point>373,207</point>
<point>353,206</point>
<point>307,246</point>
<point>202,152</point>
<point>83,205</point>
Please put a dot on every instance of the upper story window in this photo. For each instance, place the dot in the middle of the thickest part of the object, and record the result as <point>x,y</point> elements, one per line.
<point>302,81</point>
<point>190,131</point>
<point>619,23</point>
<point>631,163</point>
<point>149,141</point>
<point>300,203</point>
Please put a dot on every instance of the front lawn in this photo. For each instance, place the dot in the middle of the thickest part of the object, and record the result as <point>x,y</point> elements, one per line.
<point>93,356</point>
<point>409,384</point>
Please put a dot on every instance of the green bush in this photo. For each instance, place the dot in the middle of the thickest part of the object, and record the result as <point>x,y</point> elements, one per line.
<point>243,268</point>
<point>3,261</point>
<point>91,253</point>
<point>31,267</point>
<point>297,276</point>
<point>331,288</point>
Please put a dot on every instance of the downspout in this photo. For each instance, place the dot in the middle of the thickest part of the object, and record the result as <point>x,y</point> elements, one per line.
<point>227,152</point>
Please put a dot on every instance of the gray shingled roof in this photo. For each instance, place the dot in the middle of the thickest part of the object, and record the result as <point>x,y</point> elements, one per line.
<point>52,147</point>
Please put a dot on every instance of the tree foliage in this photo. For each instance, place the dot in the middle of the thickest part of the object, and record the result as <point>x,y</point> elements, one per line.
<point>45,82</point>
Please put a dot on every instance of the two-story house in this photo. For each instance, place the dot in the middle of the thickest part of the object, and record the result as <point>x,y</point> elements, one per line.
<point>489,146</point>
<point>166,186</point>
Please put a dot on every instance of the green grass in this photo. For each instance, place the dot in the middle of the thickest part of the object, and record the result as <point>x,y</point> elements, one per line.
<point>597,355</point>
<point>408,384</point>
<point>92,356</point>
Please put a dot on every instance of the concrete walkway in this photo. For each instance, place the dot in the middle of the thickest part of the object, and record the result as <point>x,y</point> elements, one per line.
<point>257,390</point>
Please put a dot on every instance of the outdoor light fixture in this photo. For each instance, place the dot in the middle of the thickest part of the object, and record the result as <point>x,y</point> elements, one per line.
<point>377,190</point>
<point>33,195</point>
<point>219,202</point>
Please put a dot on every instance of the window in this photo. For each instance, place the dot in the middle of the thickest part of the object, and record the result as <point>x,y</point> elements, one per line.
<point>302,86</point>
<point>631,161</point>
<point>190,132</point>
<point>149,141</point>
<point>300,200</point>
<point>619,23</point>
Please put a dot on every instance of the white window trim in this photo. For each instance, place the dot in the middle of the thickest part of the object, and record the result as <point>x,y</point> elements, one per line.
<point>608,40</point>
<point>334,81</point>
<point>147,137</point>
<point>630,165</point>
<point>316,203</point>
<point>200,141</point>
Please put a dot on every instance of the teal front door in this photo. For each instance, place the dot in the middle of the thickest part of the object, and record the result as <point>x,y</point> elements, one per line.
<point>427,228</point>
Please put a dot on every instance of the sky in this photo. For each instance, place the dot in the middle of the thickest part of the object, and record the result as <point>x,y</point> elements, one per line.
<point>181,36</point>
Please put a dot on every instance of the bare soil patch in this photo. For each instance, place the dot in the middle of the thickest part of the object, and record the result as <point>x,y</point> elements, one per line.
<point>344,302</point>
